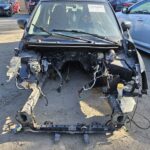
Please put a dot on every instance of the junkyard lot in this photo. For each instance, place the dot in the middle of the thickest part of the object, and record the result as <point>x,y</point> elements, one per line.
<point>12,100</point>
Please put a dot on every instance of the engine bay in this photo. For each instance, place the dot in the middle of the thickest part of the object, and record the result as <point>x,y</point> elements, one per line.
<point>114,75</point>
<point>108,68</point>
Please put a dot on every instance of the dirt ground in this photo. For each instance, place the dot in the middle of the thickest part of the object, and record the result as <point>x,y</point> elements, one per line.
<point>12,100</point>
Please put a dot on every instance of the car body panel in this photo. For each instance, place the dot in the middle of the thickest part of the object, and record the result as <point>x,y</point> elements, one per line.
<point>140,29</point>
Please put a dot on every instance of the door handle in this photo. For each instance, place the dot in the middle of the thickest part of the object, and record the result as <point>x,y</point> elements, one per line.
<point>140,20</point>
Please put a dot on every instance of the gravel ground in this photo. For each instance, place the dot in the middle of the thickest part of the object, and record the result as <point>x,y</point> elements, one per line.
<point>12,100</point>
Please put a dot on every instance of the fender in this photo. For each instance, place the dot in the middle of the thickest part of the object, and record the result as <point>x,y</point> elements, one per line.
<point>143,73</point>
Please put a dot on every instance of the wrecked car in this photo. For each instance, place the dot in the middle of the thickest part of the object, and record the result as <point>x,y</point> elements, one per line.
<point>62,36</point>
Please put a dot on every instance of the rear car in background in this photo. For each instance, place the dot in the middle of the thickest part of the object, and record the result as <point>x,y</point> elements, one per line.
<point>139,16</point>
<point>119,4</point>
<point>8,8</point>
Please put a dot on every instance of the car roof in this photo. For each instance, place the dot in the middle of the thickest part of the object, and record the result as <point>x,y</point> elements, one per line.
<point>74,0</point>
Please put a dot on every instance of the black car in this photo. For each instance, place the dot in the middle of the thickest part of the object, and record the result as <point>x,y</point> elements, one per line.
<point>6,8</point>
<point>77,48</point>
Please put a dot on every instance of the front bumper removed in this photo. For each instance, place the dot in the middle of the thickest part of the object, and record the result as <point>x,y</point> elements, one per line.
<point>27,119</point>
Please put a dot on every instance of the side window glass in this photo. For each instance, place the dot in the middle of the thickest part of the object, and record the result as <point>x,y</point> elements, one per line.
<point>143,8</point>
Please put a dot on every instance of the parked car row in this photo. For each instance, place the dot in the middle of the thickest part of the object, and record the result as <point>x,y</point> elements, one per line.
<point>139,16</point>
<point>119,4</point>
<point>9,7</point>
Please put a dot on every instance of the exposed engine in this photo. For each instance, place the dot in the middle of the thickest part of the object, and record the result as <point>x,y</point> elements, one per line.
<point>107,68</point>
<point>117,75</point>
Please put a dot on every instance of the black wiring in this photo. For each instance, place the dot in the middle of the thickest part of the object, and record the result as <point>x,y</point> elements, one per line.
<point>126,64</point>
<point>18,86</point>
<point>140,127</point>
<point>131,120</point>
<point>43,95</point>
<point>92,83</point>
<point>61,78</point>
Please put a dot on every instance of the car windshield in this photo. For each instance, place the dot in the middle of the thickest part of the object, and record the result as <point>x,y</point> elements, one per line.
<point>93,18</point>
<point>141,8</point>
<point>3,1</point>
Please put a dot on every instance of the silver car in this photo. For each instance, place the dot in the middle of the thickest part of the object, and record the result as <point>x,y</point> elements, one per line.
<point>139,16</point>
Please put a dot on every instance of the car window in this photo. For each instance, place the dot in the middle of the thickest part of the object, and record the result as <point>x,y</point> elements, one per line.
<point>87,17</point>
<point>141,8</point>
<point>4,1</point>
<point>130,1</point>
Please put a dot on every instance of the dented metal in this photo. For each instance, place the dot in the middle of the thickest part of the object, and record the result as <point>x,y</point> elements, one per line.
<point>15,64</point>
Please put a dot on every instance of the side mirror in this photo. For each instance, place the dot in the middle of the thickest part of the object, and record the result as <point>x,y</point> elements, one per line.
<point>125,10</point>
<point>126,25</point>
<point>22,23</point>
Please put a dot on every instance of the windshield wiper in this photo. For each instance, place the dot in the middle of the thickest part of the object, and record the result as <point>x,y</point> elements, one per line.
<point>62,35</point>
<point>104,38</point>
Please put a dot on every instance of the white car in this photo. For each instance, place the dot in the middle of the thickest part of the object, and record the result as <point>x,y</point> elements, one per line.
<point>139,16</point>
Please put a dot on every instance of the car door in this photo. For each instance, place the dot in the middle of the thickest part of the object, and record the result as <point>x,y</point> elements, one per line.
<point>139,15</point>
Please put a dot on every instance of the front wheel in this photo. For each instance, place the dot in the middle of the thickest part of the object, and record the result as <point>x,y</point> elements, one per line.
<point>9,13</point>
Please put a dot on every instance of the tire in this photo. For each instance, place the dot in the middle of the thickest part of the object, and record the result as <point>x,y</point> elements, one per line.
<point>9,13</point>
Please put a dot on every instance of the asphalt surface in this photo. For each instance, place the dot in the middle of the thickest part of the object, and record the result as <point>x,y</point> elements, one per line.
<point>11,100</point>
<point>7,23</point>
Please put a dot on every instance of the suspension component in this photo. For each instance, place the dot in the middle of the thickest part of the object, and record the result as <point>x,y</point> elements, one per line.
<point>25,116</point>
